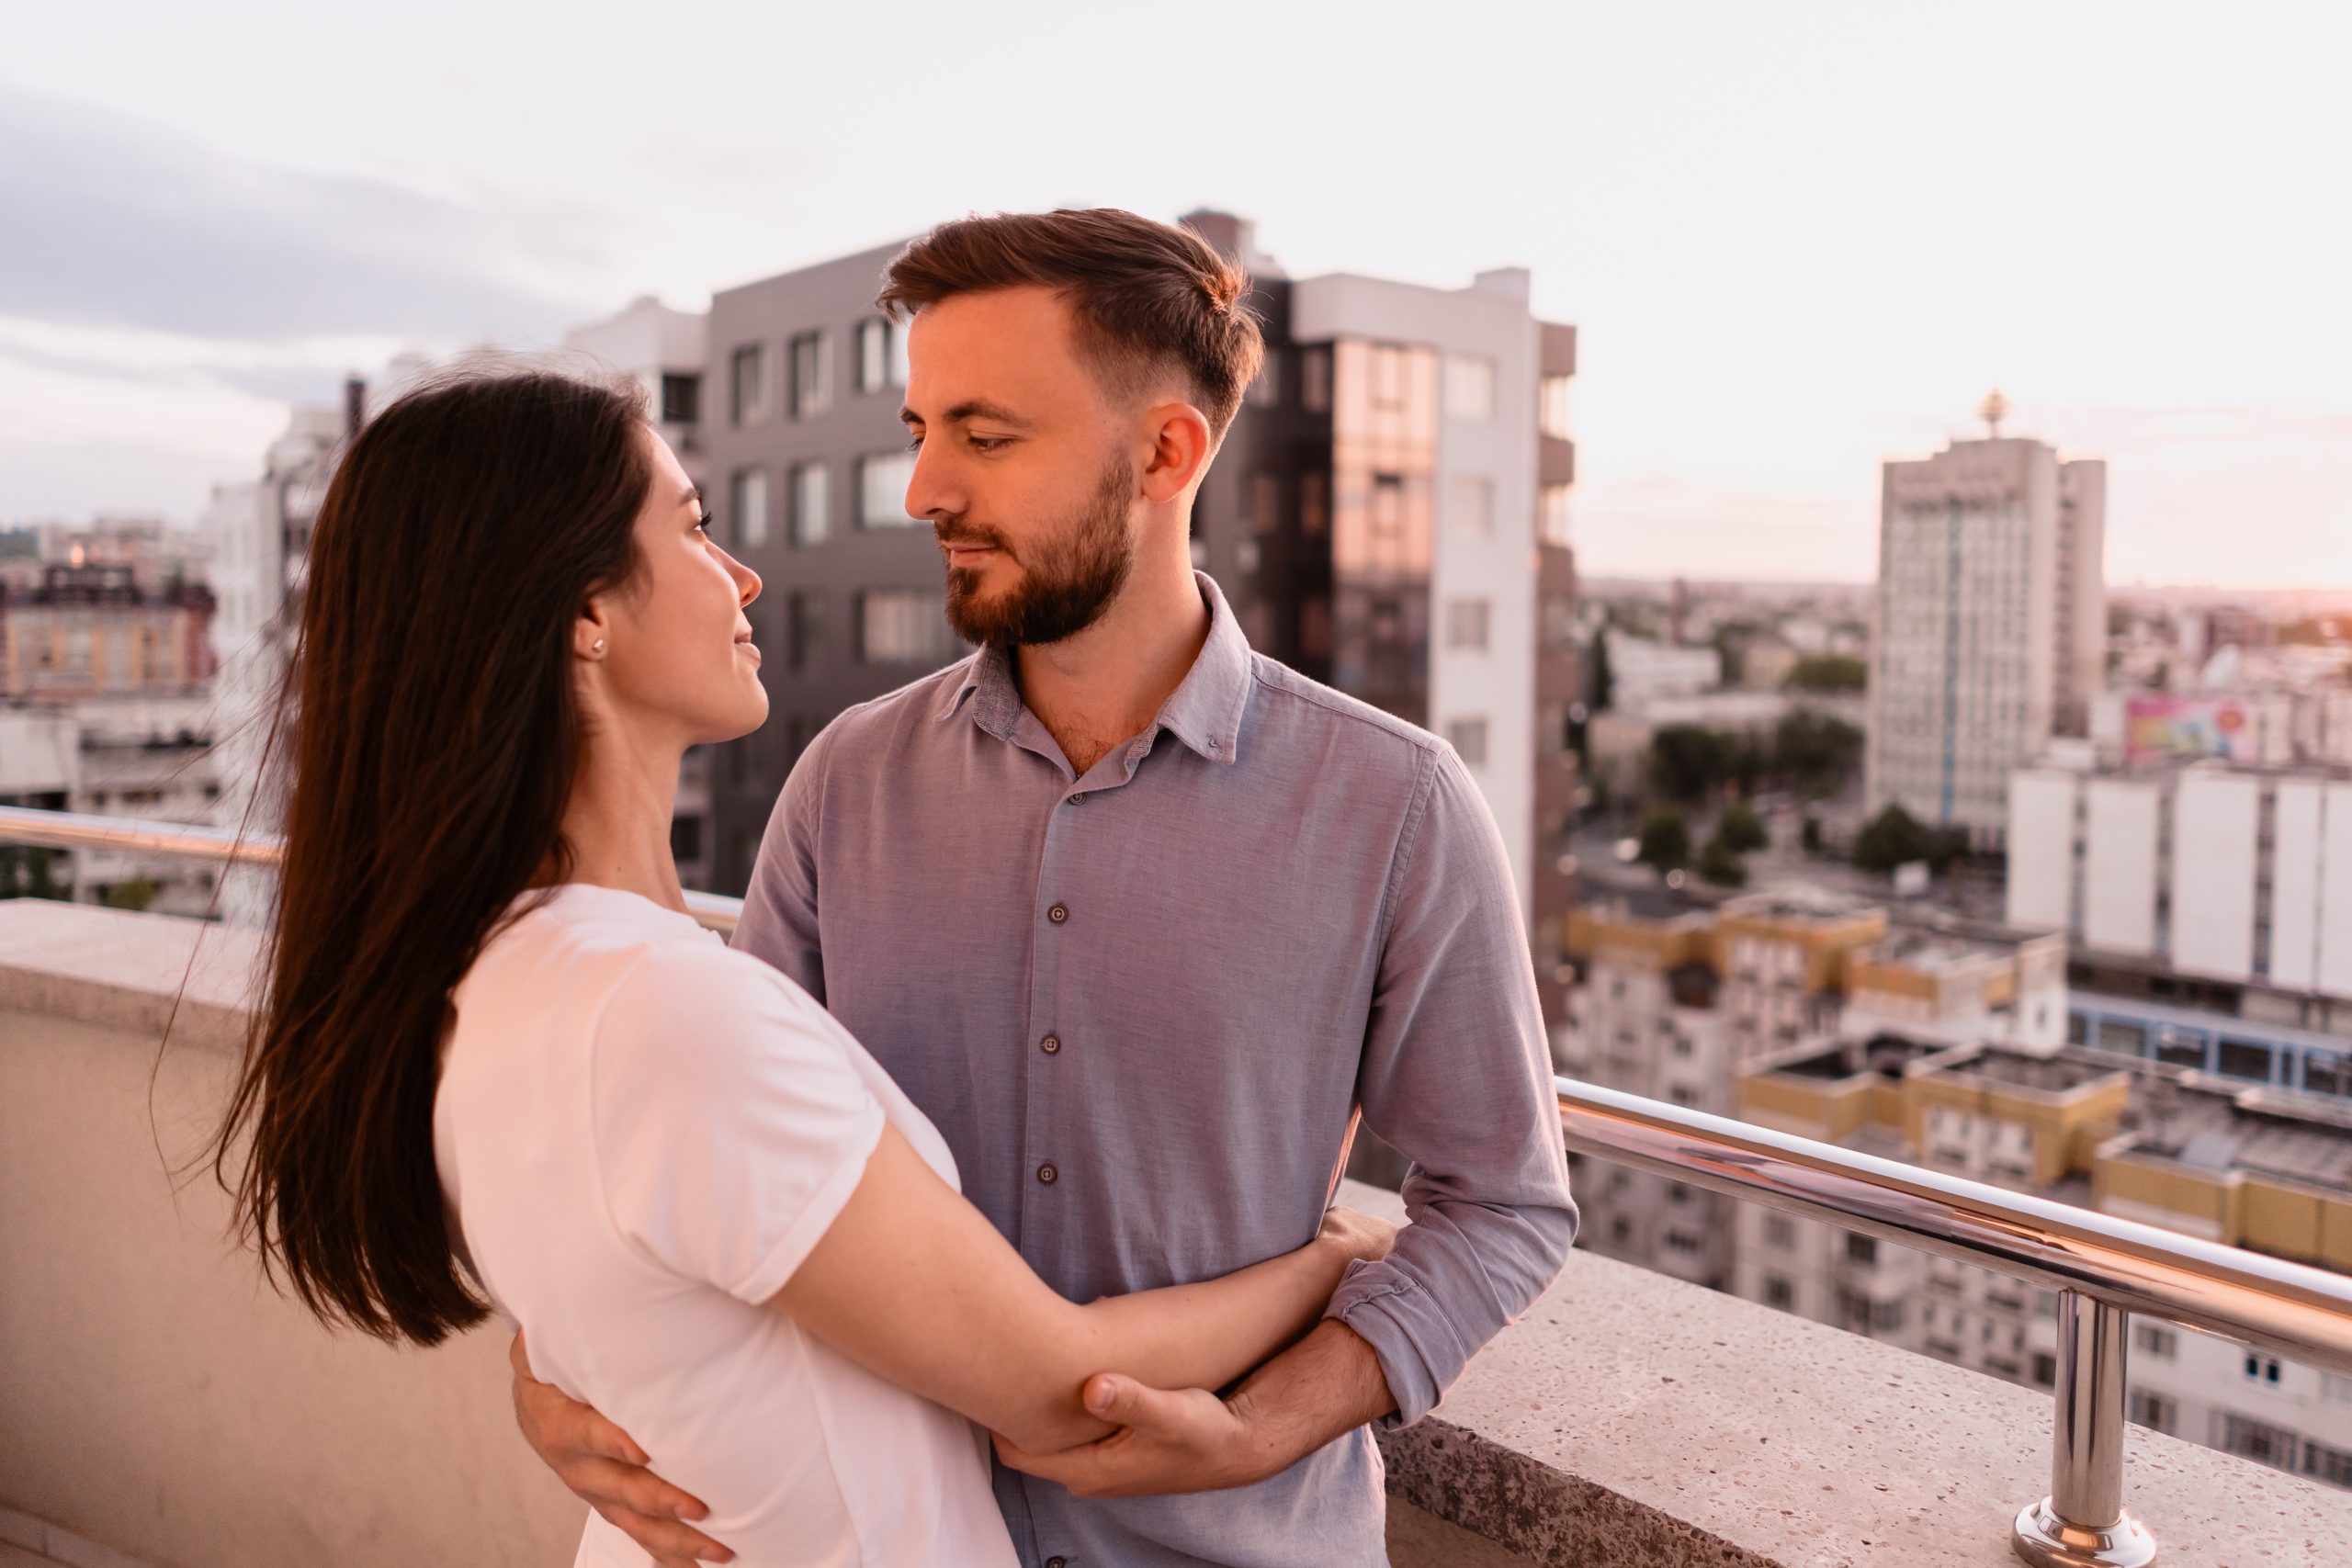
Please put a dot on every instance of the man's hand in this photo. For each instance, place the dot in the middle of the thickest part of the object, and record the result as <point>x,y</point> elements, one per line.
<point>1168,1440</point>
<point>607,1470</point>
<point>1190,1441</point>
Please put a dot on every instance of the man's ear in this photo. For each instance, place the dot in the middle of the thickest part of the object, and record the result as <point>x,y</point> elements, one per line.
<point>1180,453</point>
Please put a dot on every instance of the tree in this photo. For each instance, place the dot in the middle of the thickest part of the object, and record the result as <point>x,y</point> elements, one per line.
<point>1893,838</point>
<point>1687,761</point>
<point>1665,839</point>
<point>1828,672</point>
<point>1741,829</point>
<point>1720,863</point>
<point>1820,753</point>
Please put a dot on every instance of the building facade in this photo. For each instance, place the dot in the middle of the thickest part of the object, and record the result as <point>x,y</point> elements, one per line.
<point>1991,635</point>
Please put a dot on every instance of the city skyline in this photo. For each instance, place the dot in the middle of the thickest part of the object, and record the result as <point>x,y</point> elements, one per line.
<point>1783,276</point>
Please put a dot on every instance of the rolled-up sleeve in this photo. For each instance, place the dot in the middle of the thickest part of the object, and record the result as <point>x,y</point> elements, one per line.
<point>1456,1077</point>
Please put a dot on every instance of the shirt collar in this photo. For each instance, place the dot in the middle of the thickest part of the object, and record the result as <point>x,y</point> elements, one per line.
<point>1203,712</point>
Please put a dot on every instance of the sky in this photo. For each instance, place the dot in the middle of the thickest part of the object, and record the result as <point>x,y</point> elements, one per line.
<point>1796,239</point>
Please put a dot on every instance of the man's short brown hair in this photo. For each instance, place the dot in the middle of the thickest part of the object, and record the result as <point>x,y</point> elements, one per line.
<point>1150,298</point>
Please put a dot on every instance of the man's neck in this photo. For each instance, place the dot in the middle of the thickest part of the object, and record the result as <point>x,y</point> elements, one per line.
<point>1106,684</point>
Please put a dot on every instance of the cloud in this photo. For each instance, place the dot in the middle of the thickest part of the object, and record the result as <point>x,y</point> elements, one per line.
<point>113,222</point>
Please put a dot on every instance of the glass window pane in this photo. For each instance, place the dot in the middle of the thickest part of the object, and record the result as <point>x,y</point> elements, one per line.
<point>811,393</point>
<point>748,495</point>
<point>1470,505</point>
<point>1552,527</point>
<point>812,520</point>
<point>1468,737</point>
<point>882,481</point>
<point>750,390</point>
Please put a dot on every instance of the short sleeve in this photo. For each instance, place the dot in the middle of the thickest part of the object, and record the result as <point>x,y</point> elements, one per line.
<point>732,1125</point>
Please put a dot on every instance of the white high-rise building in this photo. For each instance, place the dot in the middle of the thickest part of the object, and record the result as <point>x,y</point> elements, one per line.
<point>1991,625</point>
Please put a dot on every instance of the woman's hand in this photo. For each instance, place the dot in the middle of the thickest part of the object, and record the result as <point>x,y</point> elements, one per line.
<point>1357,1234</point>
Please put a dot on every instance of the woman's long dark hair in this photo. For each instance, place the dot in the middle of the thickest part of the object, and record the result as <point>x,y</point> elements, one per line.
<point>433,734</point>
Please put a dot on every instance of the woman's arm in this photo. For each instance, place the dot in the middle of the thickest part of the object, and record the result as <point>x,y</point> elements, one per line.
<point>912,1284</point>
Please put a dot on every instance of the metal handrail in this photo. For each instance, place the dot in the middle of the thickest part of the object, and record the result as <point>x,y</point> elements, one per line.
<point>2103,1267</point>
<point>75,830</point>
<point>2291,1308</point>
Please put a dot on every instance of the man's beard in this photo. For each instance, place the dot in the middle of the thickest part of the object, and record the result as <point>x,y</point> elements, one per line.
<point>1067,578</point>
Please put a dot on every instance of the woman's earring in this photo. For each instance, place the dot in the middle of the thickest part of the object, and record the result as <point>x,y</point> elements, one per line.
<point>599,647</point>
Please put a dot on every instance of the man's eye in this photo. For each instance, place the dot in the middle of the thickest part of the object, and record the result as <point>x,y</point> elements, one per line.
<point>914,443</point>
<point>988,443</point>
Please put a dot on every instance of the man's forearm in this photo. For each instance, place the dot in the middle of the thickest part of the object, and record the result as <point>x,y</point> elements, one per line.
<point>1321,1388</point>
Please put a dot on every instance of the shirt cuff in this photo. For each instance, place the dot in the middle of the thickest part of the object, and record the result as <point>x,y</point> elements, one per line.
<point>817,1216</point>
<point>1419,1351</point>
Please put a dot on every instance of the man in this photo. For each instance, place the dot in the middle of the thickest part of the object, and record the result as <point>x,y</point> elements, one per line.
<point>1142,921</point>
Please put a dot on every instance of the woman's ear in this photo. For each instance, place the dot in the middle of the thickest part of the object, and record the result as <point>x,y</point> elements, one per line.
<point>590,633</point>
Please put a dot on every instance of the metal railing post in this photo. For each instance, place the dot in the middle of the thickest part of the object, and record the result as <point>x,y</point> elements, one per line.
<point>2082,1523</point>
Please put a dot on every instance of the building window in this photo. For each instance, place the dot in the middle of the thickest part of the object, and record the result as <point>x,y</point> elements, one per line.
<point>810,394</point>
<point>1887,1318</point>
<point>1781,1231</point>
<point>1621,1230</point>
<point>1315,380</point>
<point>2154,1411</point>
<point>1469,388</point>
<point>2331,1465</point>
<point>750,386</point>
<point>897,626</point>
<point>747,494</point>
<point>812,505</point>
<point>2258,1442</point>
<point>2242,1060</point>
<point>680,400</point>
<point>2045,1368</point>
<point>1387,505</point>
<point>1470,505</point>
<point>685,838</point>
<point>2262,1369</point>
<point>1553,406</point>
<point>1388,386</point>
<point>881,349</point>
<point>1314,502</point>
<point>1469,739</point>
<point>882,481</point>
<point>1552,521</point>
<point>1779,1292</point>
<point>1465,623</point>
<point>2155,1340</point>
<point>803,630</point>
<point>1266,391</point>
<point>1265,502</point>
<point>1861,1248</point>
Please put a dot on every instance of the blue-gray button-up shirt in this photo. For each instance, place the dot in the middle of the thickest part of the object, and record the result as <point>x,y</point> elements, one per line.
<point>1146,1006</point>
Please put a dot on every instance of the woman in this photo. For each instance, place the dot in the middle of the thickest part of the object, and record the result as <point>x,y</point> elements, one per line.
<point>497,1053</point>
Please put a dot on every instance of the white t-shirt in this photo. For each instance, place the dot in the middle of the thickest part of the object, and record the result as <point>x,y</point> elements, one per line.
<point>642,1135</point>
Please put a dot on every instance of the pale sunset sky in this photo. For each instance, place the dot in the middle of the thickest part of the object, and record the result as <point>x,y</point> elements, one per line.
<point>1796,239</point>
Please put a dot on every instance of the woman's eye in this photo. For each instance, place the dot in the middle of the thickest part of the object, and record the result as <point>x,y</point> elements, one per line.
<point>703,522</point>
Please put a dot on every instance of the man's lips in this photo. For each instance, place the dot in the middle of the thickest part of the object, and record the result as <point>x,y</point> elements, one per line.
<point>965,555</point>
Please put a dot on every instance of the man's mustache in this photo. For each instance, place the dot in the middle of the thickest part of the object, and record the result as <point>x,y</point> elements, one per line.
<point>968,536</point>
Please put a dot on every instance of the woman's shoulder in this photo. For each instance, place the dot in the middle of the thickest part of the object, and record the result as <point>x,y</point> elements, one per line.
<point>686,995</point>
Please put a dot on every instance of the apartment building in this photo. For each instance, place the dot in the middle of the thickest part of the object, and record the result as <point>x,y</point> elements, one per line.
<point>1991,633</point>
<point>2209,907</point>
<point>1388,514</point>
<point>1678,998</point>
<point>2249,1166</point>
<point>1646,1019</point>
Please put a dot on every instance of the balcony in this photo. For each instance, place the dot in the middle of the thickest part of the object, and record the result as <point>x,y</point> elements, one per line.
<point>162,1406</point>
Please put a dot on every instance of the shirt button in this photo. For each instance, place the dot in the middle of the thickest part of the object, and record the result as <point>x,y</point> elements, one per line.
<point>1057,914</point>
<point>1046,1173</point>
<point>1056,1562</point>
<point>1050,1044</point>
<point>1074,800</point>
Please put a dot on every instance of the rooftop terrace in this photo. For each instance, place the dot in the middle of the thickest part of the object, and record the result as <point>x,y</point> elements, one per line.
<point>160,1405</point>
